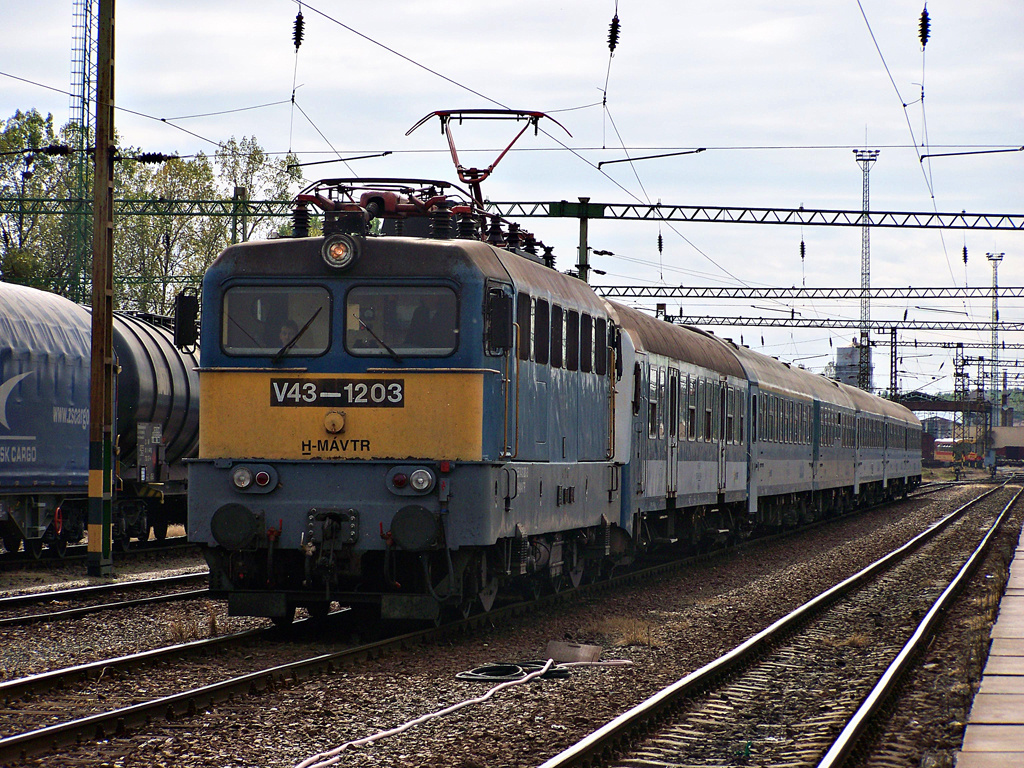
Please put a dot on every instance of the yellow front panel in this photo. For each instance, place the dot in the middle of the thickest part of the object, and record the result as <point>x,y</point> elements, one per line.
<point>268,415</point>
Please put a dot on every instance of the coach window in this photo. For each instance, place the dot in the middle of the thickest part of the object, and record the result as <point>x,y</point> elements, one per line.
<point>586,343</point>
<point>524,309</point>
<point>600,346</point>
<point>572,340</point>
<point>542,324</point>
<point>741,409</point>
<point>691,409</point>
<point>557,328</point>
<point>709,410</point>
<point>673,402</point>
<point>652,402</point>
<point>286,321</point>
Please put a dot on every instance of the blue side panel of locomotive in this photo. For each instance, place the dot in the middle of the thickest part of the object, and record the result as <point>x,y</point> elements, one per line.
<point>44,391</point>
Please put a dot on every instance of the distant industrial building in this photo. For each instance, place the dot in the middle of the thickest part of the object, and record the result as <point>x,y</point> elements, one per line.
<point>848,364</point>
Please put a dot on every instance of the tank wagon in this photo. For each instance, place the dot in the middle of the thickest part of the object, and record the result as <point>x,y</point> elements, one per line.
<point>44,422</point>
<point>410,424</point>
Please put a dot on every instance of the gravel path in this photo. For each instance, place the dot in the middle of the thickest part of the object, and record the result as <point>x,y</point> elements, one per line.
<point>668,629</point>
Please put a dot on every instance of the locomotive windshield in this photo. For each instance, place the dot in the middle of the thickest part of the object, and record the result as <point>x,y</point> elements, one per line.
<point>281,321</point>
<point>401,321</point>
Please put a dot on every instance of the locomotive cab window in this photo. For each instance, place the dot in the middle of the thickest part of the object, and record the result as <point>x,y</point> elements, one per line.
<point>277,320</point>
<point>397,321</point>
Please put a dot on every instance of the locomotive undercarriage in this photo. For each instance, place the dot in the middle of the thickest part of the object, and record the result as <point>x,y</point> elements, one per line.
<point>397,584</point>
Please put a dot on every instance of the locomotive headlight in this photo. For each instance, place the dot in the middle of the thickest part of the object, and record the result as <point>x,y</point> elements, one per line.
<point>339,251</point>
<point>421,480</point>
<point>242,477</point>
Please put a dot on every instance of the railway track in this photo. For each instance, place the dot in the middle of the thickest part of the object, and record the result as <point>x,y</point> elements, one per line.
<point>35,558</point>
<point>12,607</point>
<point>791,695</point>
<point>149,672</point>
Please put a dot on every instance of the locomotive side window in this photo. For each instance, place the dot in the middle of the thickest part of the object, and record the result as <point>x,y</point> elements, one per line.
<point>586,343</point>
<point>572,340</point>
<point>600,346</point>
<point>542,324</point>
<point>275,320</point>
<point>524,309</point>
<point>394,321</point>
<point>557,343</point>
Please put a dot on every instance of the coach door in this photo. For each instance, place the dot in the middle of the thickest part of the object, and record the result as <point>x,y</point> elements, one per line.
<point>672,397</point>
<point>723,392</point>
<point>753,450</point>
<point>640,416</point>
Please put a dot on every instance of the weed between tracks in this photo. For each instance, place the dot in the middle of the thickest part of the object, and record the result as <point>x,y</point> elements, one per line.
<point>187,630</point>
<point>623,631</point>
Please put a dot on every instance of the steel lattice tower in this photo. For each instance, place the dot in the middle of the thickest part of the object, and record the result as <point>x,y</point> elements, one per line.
<point>865,158</point>
<point>995,258</point>
<point>83,96</point>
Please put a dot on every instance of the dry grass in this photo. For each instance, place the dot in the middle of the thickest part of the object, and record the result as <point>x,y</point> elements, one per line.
<point>856,640</point>
<point>187,630</point>
<point>624,631</point>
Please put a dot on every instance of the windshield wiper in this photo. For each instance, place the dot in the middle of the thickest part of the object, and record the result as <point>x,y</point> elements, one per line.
<point>297,336</point>
<point>380,341</point>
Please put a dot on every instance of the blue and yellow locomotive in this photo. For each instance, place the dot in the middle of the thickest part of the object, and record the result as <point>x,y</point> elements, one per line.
<point>409,423</point>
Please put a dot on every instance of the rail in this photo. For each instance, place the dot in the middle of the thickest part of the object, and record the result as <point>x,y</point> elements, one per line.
<point>627,726</point>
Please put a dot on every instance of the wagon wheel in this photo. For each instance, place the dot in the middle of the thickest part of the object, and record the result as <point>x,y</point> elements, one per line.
<point>159,528</point>
<point>318,612</point>
<point>59,548</point>
<point>122,539</point>
<point>284,621</point>
<point>12,541</point>
<point>34,547</point>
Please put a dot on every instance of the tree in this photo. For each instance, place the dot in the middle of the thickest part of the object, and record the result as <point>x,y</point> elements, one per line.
<point>35,249</point>
<point>245,165</point>
<point>156,256</point>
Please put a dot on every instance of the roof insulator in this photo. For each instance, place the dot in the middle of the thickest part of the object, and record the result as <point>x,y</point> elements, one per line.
<point>613,34</point>
<point>924,29</point>
<point>300,24</point>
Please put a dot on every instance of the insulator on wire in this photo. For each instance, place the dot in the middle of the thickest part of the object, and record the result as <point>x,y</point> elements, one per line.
<point>300,24</point>
<point>613,33</point>
<point>924,29</point>
<point>661,242</point>
<point>965,255</point>
<point>153,157</point>
<point>803,250</point>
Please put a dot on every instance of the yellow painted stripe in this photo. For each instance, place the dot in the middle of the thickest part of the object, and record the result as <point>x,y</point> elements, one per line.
<point>442,418</point>
<point>95,482</point>
<point>95,538</point>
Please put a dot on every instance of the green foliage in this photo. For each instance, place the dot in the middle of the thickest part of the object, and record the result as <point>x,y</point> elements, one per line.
<point>154,255</point>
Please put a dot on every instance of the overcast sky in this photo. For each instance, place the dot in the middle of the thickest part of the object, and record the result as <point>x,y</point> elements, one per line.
<point>779,94</point>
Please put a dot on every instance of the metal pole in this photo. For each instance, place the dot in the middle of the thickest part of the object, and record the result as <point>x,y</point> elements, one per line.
<point>101,410</point>
<point>584,263</point>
